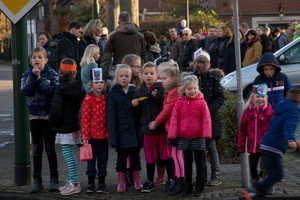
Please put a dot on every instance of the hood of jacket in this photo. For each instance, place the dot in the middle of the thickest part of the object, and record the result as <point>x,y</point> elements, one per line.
<point>51,43</point>
<point>268,59</point>
<point>197,97</point>
<point>127,28</point>
<point>155,49</point>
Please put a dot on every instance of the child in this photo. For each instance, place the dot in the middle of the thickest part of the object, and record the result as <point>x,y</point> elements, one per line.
<point>191,123</point>
<point>94,131</point>
<point>64,118</point>
<point>254,124</point>
<point>170,77</point>
<point>278,83</point>
<point>38,84</point>
<point>209,85</point>
<point>275,142</point>
<point>134,62</point>
<point>155,141</point>
<point>90,57</point>
<point>123,131</point>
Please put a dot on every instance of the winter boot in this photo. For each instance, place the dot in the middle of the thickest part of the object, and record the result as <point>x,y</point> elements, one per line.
<point>53,185</point>
<point>91,185</point>
<point>214,180</point>
<point>160,176</point>
<point>188,189</point>
<point>179,186</point>
<point>101,184</point>
<point>173,185</point>
<point>137,182</point>
<point>37,186</point>
<point>199,187</point>
<point>121,186</point>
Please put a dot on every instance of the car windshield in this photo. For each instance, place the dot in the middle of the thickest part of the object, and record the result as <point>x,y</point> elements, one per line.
<point>292,56</point>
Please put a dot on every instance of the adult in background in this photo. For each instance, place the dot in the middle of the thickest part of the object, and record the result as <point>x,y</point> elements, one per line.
<point>267,31</point>
<point>263,38</point>
<point>282,38</point>
<point>290,35</point>
<point>189,47</point>
<point>103,36</point>
<point>297,32</point>
<point>67,45</point>
<point>254,49</point>
<point>45,40</point>
<point>153,50</point>
<point>91,35</point>
<point>173,38</point>
<point>176,50</point>
<point>163,45</point>
<point>276,33</point>
<point>210,41</point>
<point>124,40</point>
<point>197,37</point>
<point>244,27</point>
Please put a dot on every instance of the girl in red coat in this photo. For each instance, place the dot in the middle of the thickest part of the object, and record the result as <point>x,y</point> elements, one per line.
<point>94,131</point>
<point>191,123</point>
<point>170,78</point>
<point>254,124</point>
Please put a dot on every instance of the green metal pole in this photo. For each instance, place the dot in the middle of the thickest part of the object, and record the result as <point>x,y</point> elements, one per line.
<point>95,10</point>
<point>21,123</point>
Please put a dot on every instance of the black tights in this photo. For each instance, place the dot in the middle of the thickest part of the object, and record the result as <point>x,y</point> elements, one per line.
<point>188,164</point>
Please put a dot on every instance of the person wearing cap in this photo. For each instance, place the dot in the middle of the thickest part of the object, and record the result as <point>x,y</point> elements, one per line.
<point>64,119</point>
<point>209,85</point>
<point>269,72</point>
<point>254,124</point>
<point>279,137</point>
<point>297,32</point>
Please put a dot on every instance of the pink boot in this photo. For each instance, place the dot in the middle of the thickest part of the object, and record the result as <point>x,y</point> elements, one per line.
<point>121,186</point>
<point>160,176</point>
<point>137,182</point>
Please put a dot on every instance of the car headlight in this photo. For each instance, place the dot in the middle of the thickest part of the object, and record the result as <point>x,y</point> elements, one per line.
<point>226,80</point>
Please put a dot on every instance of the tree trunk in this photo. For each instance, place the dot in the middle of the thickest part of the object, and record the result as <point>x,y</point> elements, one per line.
<point>54,27</point>
<point>112,13</point>
<point>131,6</point>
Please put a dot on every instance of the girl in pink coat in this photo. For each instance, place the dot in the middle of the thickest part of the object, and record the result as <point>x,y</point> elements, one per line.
<point>191,123</point>
<point>254,124</point>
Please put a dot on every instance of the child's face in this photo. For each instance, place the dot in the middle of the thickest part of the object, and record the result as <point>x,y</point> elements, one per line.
<point>123,78</point>
<point>38,60</point>
<point>259,101</point>
<point>136,67</point>
<point>166,80</point>
<point>149,75</point>
<point>269,71</point>
<point>191,90</point>
<point>96,56</point>
<point>98,86</point>
<point>200,65</point>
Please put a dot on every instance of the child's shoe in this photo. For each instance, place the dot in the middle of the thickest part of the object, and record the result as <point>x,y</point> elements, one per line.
<point>71,189</point>
<point>188,189</point>
<point>101,185</point>
<point>121,185</point>
<point>53,185</point>
<point>91,185</point>
<point>178,188</point>
<point>148,186</point>
<point>168,184</point>
<point>65,186</point>
<point>250,193</point>
<point>160,176</point>
<point>37,186</point>
<point>271,190</point>
<point>214,180</point>
<point>199,187</point>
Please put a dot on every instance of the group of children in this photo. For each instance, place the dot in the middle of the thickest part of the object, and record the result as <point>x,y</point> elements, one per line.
<point>168,118</point>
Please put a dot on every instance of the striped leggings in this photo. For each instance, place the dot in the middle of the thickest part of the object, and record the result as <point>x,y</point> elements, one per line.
<point>68,153</point>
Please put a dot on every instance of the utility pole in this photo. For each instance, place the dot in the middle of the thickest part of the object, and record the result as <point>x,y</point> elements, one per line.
<point>21,123</point>
<point>95,10</point>
<point>187,14</point>
<point>243,156</point>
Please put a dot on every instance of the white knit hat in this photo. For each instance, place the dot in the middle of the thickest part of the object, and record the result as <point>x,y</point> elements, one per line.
<point>200,52</point>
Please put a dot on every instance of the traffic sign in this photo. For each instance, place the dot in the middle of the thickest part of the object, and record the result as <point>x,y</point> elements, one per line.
<point>16,9</point>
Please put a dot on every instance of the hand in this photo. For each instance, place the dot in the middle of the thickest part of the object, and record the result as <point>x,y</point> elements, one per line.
<point>135,102</point>
<point>153,125</point>
<point>37,72</point>
<point>293,145</point>
<point>153,93</point>
<point>85,141</point>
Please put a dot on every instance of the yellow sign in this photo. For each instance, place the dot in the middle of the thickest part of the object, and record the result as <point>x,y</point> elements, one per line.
<point>16,9</point>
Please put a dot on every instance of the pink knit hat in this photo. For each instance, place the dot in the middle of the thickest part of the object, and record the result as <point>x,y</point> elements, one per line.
<point>204,33</point>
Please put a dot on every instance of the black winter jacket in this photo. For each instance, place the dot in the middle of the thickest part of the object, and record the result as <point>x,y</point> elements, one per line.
<point>64,113</point>
<point>221,49</point>
<point>148,109</point>
<point>188,50</point>
<point>50,47</point>
<point>123,129</point>
<point>213,95</point>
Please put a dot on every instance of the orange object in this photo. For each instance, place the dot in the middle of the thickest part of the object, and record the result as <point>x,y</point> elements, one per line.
<point>86,153</point>
<point>68,67</point>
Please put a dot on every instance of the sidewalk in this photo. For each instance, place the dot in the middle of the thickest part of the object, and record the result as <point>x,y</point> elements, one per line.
<point>230,189</point>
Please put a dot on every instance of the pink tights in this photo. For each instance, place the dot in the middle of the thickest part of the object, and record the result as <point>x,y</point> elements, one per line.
<point>178,161</point>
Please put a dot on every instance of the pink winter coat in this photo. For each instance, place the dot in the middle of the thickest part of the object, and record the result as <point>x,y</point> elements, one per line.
<point>190,119</point>
<point>169,101</point>
<point>254,124</point>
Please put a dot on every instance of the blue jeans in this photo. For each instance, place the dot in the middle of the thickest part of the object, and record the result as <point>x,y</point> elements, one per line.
<point>274,168</point>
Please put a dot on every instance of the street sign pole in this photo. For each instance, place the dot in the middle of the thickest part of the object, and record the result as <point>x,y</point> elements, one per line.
<point>21,125</point>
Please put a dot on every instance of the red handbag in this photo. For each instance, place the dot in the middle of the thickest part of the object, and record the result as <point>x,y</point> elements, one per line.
<point>86,152</point>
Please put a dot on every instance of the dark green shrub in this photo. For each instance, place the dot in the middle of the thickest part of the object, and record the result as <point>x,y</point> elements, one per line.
<point>227,146</point>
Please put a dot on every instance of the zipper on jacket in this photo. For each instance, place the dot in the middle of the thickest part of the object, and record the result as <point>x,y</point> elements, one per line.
<point>255,133</point>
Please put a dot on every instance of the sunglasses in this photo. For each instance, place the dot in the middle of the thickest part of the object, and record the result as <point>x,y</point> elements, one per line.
<point>185,34</point>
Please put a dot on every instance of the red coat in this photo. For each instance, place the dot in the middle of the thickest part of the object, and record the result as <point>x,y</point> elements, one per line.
<point>93,117</point>
<point>254,124</point>
<point>169,101</point>
<point>190,119</point>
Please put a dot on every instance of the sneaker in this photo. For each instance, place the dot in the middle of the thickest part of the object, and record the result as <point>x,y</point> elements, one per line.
<point>71,189</point>
<point>37,186</point>
<point>65,186</point>
<point>250,193</point>
<point>101,188</point>
<point>214,181</point>
<point>148,186</point>
<point>90,189</point>
<point>168,184</point>
<point>53,186</point>
<point>271,190</point>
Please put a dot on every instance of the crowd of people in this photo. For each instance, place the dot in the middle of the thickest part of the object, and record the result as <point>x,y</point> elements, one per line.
<point>105,89</point>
